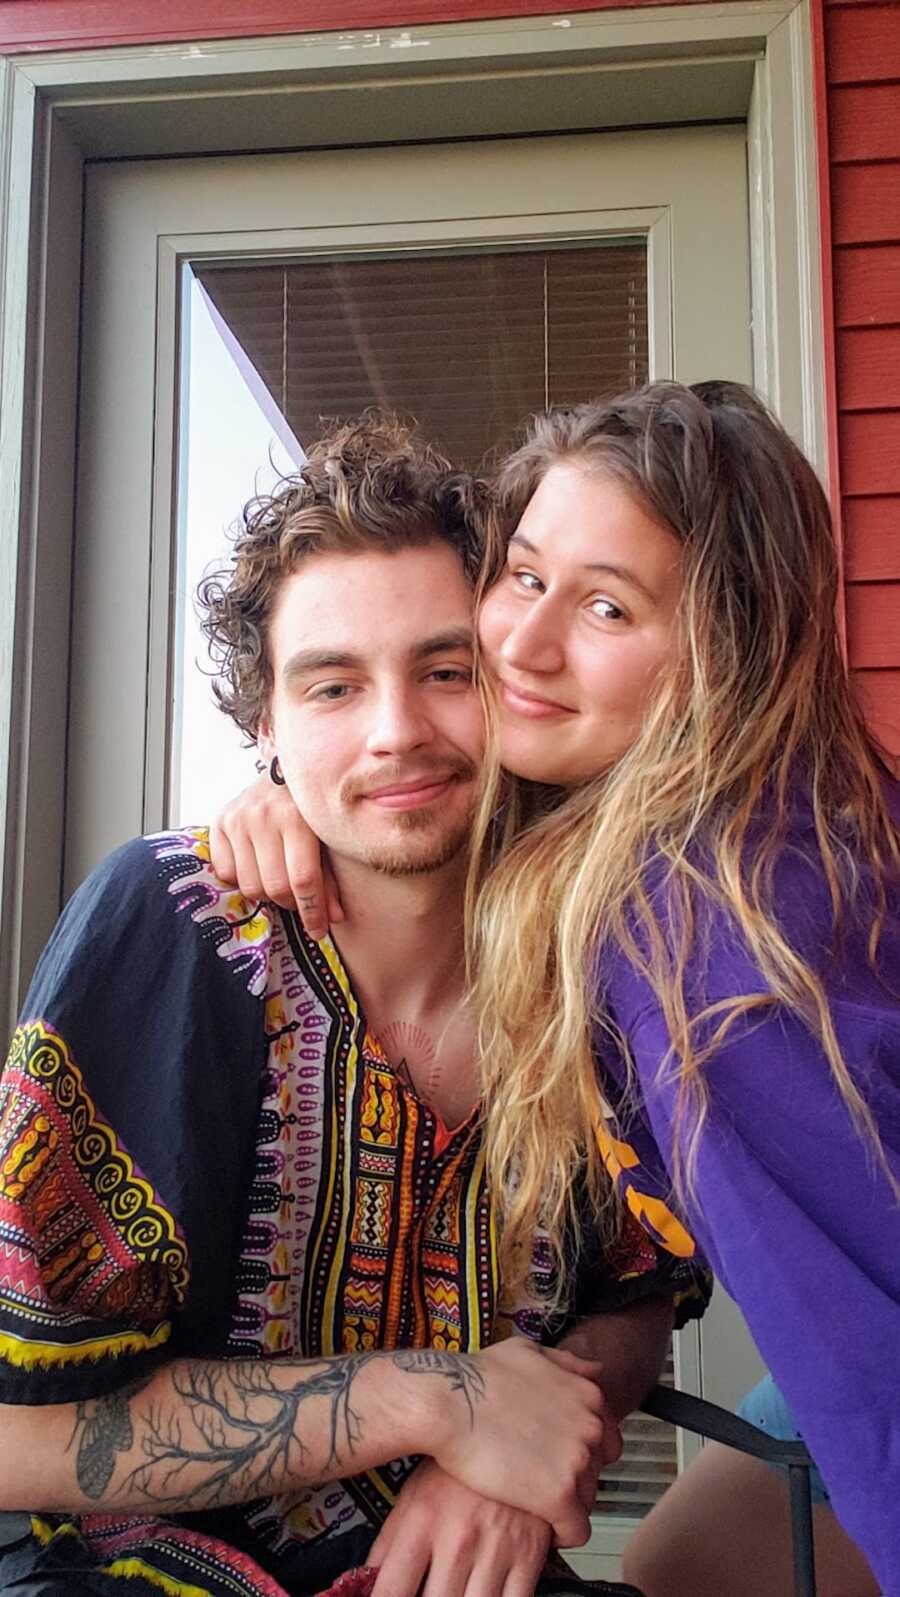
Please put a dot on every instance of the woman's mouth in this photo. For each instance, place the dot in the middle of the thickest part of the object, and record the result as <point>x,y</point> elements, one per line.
<point>533,705</point>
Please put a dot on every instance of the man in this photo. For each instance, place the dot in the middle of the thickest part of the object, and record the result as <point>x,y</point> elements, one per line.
<point>247,1253</point>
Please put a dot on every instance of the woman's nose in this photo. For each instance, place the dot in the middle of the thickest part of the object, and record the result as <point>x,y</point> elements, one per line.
<point>535,643</point>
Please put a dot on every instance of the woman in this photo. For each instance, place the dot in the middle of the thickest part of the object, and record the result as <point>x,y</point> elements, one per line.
<point>693,913</point>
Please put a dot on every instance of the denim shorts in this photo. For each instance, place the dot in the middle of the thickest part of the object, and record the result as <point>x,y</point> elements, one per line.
<point>764,1406</point>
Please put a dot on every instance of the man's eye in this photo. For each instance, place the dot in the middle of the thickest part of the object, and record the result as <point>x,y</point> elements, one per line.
<point>331,693</point>
<point>451,673</point>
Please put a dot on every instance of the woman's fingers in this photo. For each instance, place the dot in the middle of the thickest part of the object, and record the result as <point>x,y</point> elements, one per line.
<point>246,866</point>
<point>261,842</point>
<point>221,855</point>
<point>273,867</point>
<point>303,866</point>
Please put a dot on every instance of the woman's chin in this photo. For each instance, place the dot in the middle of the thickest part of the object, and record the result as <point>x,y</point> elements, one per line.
<point>540,759</point>
<point>531,759</point>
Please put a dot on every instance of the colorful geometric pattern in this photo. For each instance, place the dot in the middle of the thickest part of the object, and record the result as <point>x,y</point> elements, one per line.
<point>83,1236</point>
<point>397,1248</point>
<point>170,1557</point>
<point>238,930</point>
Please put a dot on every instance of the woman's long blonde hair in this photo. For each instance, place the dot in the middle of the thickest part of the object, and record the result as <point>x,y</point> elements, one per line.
<point>756,701</point>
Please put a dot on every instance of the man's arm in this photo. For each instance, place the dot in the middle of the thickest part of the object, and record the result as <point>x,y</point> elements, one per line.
<point>201,1434</point>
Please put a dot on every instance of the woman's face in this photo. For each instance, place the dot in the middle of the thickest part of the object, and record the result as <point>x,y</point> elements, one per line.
<point>579,625</point>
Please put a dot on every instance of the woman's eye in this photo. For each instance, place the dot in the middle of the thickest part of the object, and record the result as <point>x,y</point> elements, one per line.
<point>527,580</point>
<point>606,610</point>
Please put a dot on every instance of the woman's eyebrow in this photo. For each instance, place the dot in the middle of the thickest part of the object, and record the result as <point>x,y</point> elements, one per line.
<point>605,567</point>
<point>624,574</point>
<point>519,537</point>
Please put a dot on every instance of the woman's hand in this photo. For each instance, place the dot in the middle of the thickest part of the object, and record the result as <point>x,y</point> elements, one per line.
<point>445,1540</point>
<point>262,843</point>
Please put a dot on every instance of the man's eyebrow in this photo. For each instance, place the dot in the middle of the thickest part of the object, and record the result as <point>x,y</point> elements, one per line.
<point>445,643</point>
<point>306,661</point>
<point>604,567</point>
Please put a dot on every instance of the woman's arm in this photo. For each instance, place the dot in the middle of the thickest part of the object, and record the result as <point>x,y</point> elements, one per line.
<point>798,1218</point>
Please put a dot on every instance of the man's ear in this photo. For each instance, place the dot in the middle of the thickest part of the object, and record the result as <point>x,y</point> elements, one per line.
<point>265,740</point>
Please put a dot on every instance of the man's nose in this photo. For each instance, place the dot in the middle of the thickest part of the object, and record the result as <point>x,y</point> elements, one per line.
<point>535,642</point>
<point>399,723</point>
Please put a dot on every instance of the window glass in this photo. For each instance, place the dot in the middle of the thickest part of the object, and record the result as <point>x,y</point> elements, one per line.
<point>468,344</point>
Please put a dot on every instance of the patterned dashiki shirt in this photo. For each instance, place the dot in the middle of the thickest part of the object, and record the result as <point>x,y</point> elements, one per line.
<point>204,1152</point>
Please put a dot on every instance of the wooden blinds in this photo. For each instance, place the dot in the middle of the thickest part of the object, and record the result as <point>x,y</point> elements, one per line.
<point>468,344</point>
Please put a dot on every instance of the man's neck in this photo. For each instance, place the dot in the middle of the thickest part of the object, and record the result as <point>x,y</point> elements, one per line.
<point>402,937</point>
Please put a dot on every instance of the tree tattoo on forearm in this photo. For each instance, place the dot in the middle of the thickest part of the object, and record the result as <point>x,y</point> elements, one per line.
<point>459,1369</point>
<point>246,1429</point>
<point>233,1434</point>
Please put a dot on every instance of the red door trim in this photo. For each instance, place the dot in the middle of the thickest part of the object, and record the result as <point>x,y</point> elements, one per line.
<point>83,24</point>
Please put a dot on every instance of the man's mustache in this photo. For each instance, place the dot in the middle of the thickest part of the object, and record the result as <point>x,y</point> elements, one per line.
<point>456,766</point>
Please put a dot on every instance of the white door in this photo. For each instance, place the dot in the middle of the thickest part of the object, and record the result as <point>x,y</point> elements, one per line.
<point>680,197</point>
<point>515,272</point>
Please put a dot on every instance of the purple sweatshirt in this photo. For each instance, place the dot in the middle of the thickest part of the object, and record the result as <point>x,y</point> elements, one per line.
<point>791,1207</point>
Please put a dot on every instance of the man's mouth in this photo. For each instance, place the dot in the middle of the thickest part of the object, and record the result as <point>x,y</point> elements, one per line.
<point>412,794</point>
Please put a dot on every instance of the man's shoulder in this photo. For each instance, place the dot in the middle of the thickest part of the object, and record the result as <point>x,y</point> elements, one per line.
<point>177,862</point>
<point>152,885</point>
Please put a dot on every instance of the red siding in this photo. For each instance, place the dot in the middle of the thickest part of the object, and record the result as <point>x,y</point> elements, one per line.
<point>868,367</point>
<point>865,121</point>
<point>865,198</point>
<point>867,284</point>
<point>862,42</point>
<point>879,695</point>
<point>862,71</point>
<point>872,538</point>
<point>78,24</point>
<point>873,625</point>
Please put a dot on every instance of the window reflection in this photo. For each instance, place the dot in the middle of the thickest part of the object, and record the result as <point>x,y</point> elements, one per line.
<point>235,443</point>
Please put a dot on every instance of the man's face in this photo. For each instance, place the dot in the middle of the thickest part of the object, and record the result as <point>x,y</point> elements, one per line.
<point>373,714</point>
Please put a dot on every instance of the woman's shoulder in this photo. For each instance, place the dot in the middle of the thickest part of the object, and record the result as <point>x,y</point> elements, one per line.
<point>797,886</point>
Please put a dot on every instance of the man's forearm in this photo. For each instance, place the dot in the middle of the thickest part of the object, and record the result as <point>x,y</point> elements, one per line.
<point>631,1344</point>
<point>203,1434</point>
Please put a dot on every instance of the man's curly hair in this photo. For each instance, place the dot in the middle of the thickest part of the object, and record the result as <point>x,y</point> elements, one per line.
<point>371,484</point>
